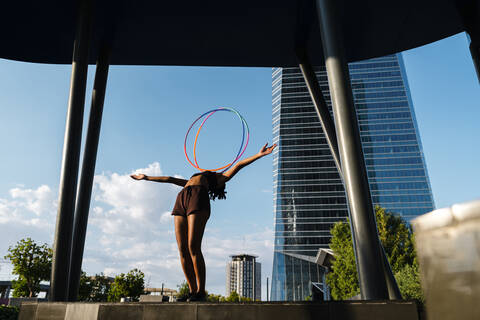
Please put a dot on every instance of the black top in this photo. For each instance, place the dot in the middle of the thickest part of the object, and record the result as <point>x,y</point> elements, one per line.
<point>214,191</point>
<point>262,33</point>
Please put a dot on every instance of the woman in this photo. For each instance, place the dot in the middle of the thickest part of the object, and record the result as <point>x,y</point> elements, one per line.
<point>191,212</point>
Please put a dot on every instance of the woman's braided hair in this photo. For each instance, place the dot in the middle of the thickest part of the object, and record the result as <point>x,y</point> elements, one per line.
<point>214,191</point>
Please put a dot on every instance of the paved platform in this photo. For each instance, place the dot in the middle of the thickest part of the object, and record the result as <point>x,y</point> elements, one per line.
<point>336,310</point>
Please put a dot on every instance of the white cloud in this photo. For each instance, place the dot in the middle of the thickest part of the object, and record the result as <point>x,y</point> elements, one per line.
<point>110,272</point>
<point>131,226</point>
<point>28,207</point>
<point>165,217</point>
<point>128,208</point>
<point>27,213</point>
<point>39,201</point>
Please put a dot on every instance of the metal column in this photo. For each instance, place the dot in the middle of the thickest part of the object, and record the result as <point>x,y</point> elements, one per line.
<point>392,285</point>
<point>71,154</point>
<point>329,131</point>
<point>470,13</point>
<point>320,105</point>
<point>326,288</point>
<point>253,277</point>
<point>88,170</point>
<point>475,52</point>
<point>267,288</point>
<point>364,230</point>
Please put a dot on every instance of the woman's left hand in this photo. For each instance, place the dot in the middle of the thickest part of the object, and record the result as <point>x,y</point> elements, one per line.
<point>139,176</point>
<point>266,150</point>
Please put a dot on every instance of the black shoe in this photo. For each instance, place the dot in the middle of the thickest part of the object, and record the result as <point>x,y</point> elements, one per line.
<point>198,297</point>
<point>185,298</point>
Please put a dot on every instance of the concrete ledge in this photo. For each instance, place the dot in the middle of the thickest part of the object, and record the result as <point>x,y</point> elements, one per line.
<point>334,310</point>
<point>81,311</point>
<point>48,311</point>
<point>28,311</point>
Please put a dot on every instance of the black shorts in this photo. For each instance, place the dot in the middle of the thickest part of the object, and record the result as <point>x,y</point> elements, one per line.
<point>192,199</point>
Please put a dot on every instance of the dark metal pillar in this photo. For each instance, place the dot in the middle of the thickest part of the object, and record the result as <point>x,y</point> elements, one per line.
<point>329,130</point>
<point>267,288</point>
<point>253,283</point>
<point>320,105</point>
<point>364,230</point>
<point>71,154</point>
<point>475,52</point>
<point>392,285</point>
<point>88,170</point>
<point>470,13</point>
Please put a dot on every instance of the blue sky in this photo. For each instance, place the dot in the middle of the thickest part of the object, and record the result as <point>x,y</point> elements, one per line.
<point>147,112</point>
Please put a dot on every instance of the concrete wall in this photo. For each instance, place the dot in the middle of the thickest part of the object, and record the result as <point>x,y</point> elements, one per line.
<point>17,302</point>
<point>361,310</point>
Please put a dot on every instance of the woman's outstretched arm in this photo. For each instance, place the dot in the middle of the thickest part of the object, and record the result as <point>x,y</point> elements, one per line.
<point>245,162</point>
<point>177,181</point>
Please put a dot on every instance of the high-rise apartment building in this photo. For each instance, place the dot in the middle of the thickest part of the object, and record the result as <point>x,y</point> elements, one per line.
<point>244,276</point>
<point>309,196</point>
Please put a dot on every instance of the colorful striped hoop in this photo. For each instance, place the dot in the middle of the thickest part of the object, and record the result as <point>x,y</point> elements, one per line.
<point>208,114</point>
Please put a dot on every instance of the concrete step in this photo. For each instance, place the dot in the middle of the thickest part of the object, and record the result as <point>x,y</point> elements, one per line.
<point>333,310</point>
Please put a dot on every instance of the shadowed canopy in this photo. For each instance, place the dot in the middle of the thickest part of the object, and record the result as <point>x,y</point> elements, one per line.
<point>248,33</point>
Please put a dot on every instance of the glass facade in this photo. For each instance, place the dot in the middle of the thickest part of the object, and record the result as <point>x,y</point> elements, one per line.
<point>309,196</point>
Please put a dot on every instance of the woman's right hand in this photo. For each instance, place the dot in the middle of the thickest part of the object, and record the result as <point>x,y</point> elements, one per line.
<point>266,150</point>
<point>139,176</point>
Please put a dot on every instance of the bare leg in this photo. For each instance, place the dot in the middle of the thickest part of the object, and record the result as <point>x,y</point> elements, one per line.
<point>196,227</point>
<point>181,233</point>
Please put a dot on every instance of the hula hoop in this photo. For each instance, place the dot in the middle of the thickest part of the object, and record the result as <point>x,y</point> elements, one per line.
<point>240,152</point>
<point>208,114</point>
<point>195,145</point>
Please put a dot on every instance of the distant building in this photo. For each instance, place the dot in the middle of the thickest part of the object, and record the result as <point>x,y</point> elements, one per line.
<point>159,295</point>
<point>161,291</point>
<point>6,285</point>
<point>244,276</point>
<point>6,290</point>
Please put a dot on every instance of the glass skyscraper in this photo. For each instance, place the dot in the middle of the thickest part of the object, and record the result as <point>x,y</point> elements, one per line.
<point>309,196</point>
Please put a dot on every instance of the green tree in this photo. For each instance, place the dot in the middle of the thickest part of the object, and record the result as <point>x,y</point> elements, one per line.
<point>215,298</point>
<point>342,279</point>
<point>32,263</point>
<point>397,238</point>
<point>233,297</point>
<point>21,288</point>
<point>84,288</point>
<point>183,290</point>
<point>245,299</point>
<point>94,288</point>
<point>408,279</point>
<point>9,312</point>
<point>130,285</point>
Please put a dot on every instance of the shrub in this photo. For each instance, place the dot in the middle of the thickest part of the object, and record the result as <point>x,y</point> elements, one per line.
<point>9,312</point>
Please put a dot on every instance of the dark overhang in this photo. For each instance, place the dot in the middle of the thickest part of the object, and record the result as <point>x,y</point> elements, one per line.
<point>249,33</point>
